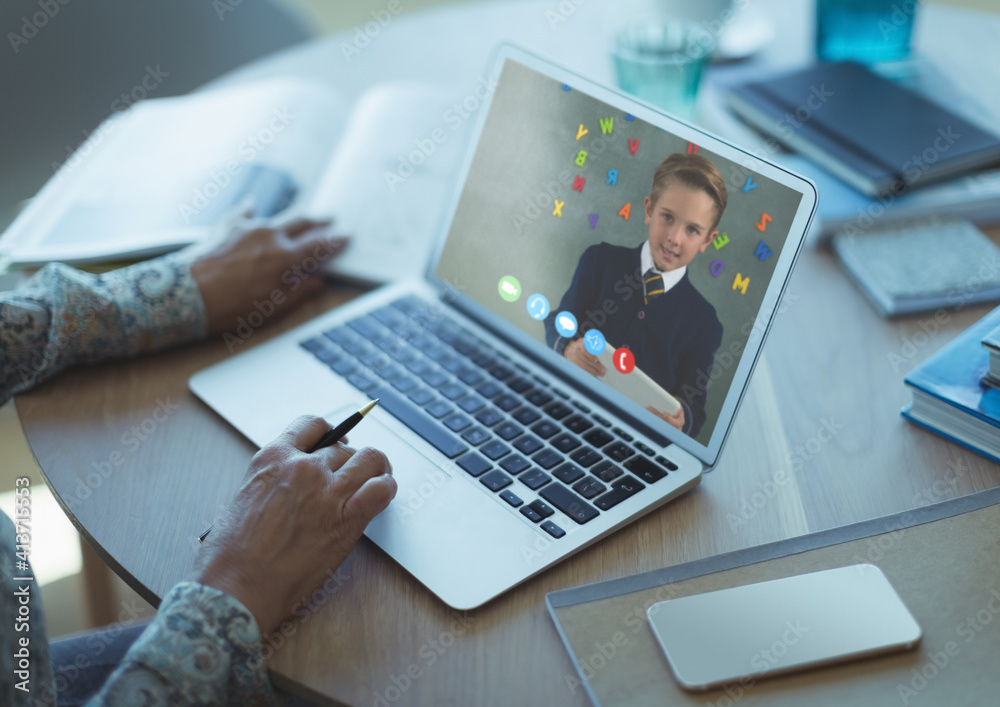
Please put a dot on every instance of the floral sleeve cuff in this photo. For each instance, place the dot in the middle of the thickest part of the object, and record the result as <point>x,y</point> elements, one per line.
<point>63,316</point>
<point>203,648</point>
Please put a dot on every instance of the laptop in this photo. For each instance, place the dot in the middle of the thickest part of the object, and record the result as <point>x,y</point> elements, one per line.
<point>509,455</point>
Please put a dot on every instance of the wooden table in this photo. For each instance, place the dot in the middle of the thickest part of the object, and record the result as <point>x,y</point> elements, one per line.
<point>162,465</point>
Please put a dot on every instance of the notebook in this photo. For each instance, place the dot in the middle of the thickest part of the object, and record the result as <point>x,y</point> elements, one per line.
<point>949,396</point>
<point>291,146</point>
<point>872,133</point>
<point>508,457</point>
<point>894,267</point>
<point>991,342</point>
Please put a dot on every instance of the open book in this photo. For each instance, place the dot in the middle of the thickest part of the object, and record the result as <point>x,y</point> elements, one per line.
<point>168,173</point>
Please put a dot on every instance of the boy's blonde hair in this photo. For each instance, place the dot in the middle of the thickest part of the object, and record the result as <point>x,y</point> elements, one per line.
<point>694,172</point>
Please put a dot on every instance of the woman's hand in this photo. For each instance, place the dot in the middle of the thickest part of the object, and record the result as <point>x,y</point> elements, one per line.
<point>263,269</point>
<point>576,352</point>
<point>294,521</point>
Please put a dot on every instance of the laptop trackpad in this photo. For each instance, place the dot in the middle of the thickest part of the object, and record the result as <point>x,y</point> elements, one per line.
<point>427,527</point>
<point>413,471</point>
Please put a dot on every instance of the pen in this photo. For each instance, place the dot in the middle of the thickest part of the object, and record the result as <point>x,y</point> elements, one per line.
<point>327,440</point>
<point>344,427</point>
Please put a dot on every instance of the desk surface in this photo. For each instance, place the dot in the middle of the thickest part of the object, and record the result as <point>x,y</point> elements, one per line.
<point>818,443</point>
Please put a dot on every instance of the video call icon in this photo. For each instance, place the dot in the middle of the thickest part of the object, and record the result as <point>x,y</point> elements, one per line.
<point>566,324</point>
<point>538,307</point>
<point>510,288</point>
<point>594,342</point>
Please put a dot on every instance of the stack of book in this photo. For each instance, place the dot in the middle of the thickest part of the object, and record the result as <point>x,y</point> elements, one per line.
<point>956,392</point>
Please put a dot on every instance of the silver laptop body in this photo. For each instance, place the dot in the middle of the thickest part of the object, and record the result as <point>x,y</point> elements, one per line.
<point>460,522</point>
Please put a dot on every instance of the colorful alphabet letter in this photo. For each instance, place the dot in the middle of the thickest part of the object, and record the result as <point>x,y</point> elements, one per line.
<point>716,268</point>
<point>762,252</point>
<point>633,145</point>
<point>581,131</point>
<point>740,283</point>
<point>578,183</point>
<point>593,220</point>
<point>764,220</point>
<point>749,185</point>
<point>612,177</point>
<point>692,149</point>
<point>606,125</point>
<point>625,211</point>
<point>558,209</point>
<point>720,241</point>
<point>581,158</point>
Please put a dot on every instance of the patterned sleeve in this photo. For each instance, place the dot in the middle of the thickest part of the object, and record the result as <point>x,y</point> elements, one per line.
<point>203,648</point>
<point>63,316</point>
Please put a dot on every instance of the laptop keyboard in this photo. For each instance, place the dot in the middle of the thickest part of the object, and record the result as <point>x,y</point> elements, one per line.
<point>515,433</point>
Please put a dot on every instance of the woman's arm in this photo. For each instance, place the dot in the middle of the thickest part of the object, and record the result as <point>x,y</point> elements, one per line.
<point>62,316</point>
<point>294,521</point>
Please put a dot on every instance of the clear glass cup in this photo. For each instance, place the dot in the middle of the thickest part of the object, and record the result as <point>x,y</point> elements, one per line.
<point>661,62</point>
<point>866,31</point>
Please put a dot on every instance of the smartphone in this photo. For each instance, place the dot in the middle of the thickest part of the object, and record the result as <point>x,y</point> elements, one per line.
<point>757,630</point>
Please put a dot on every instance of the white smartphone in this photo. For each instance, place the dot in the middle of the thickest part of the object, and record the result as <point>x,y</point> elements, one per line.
<point>789,624</point>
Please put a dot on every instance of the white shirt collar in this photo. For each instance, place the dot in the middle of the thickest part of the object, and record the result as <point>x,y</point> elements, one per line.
<point>670,277</point>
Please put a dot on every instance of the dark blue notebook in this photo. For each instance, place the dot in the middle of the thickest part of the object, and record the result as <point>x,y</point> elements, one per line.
<point>874,134</point>
<point>949,396</point>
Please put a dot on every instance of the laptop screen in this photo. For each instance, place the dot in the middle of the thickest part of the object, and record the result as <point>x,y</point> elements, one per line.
<point>633,254</point>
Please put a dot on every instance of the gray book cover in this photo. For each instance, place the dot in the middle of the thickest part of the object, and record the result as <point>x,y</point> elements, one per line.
<point>912,267</point>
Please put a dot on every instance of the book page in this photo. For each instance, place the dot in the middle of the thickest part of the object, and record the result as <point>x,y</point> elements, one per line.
<point>390,181</point>
<point>168,171</point>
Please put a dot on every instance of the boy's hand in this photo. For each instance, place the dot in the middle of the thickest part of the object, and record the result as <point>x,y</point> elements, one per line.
<point>675,420</point>
<point>578,354</point>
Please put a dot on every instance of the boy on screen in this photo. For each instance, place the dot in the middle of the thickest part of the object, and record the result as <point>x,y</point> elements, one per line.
<point>642,296</point>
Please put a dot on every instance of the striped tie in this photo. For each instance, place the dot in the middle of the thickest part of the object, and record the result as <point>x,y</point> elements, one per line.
<point>652,284</point>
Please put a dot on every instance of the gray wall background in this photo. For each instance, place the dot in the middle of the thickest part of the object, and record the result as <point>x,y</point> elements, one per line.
<point>525,160</point>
